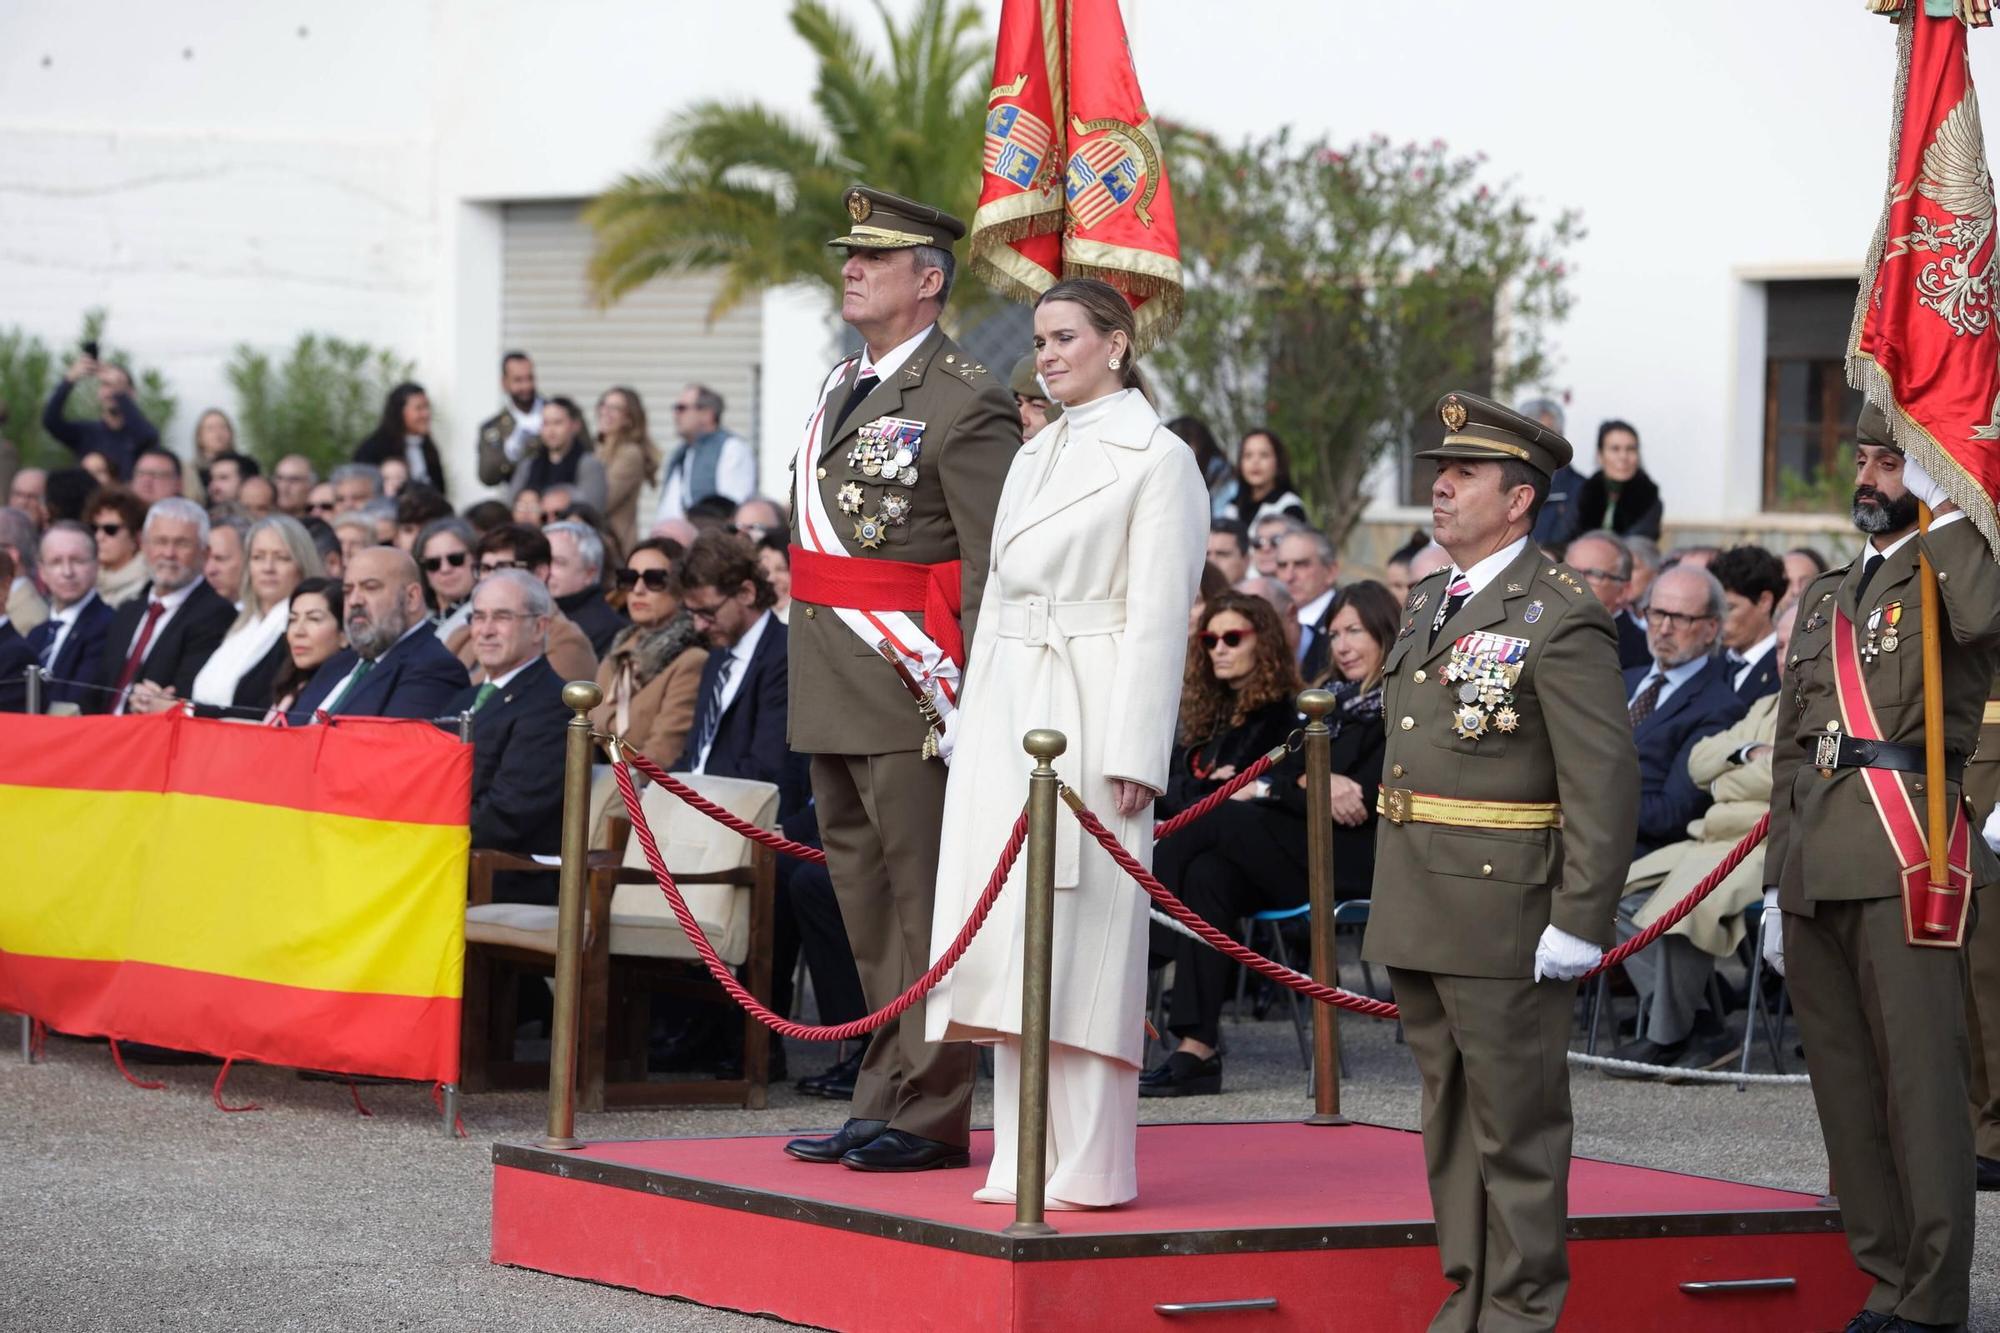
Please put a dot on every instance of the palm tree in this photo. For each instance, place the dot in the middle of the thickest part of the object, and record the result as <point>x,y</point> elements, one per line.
<point>747,190</point>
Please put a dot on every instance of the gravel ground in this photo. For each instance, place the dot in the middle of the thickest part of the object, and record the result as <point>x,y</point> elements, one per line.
<point>123,1209</point>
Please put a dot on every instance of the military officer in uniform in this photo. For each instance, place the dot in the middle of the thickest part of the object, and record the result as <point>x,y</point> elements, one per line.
<point>1880,996</point>
<point>1509,807</point>
<point>1982,958</point>
<point>894,491</point>
<point>506,437</point>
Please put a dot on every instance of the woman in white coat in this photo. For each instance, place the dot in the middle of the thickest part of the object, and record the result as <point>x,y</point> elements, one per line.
<point>1097,552</point>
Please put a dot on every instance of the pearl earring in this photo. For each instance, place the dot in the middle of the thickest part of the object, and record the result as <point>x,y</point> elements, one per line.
<point>1114,363</point>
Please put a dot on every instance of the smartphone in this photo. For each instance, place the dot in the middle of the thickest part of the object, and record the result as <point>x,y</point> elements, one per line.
<point>90,349</point>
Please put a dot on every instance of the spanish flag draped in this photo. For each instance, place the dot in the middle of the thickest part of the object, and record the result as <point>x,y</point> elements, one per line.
<point>290,896</point>
<point>1075,183</point>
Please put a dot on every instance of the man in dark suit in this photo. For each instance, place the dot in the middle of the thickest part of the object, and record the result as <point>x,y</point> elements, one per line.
<point>394,665</point>
<point>1308,567</point>
<point>518,720</point>
<point>1684,696</point>
<point>576,581</point>
<point>1753,583</point>
<point>70,643</point>
<point>15,655</point>
<point>159,642</point>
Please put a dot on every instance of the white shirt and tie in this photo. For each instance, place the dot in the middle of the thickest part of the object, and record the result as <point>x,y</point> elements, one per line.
<point>1743,663</point>
<point>723,690</point>
<point>169,603</point>
<point>64,618</point>
<point>1309,615</point>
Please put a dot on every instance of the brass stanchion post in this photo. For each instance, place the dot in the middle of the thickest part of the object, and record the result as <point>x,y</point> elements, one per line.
<point>580,696</point>
<point>1037,968</point>
<point>1316,704</point>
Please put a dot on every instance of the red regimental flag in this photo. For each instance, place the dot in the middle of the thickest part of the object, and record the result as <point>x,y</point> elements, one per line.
<point>1924,346</point>
<point>1075,180</point>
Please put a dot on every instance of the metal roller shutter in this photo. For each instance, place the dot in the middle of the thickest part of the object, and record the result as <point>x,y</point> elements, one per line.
<point>656,340</point>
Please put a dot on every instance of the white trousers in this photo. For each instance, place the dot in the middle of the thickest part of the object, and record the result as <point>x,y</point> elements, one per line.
<point>1093,1149</point>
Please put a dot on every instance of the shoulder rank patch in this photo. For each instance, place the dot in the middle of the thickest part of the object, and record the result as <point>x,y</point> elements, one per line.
<point>1565,580</point>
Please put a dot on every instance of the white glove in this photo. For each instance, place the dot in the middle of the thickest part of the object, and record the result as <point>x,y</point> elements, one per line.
<point>1921,484</point>
<point>947,739</point>
<point>1774,933</point>
<point>1561,956</point>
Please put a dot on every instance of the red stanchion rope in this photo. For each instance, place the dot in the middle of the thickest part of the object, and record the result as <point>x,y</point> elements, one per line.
<point>779,1024</point>
<point>1362,1004</point>
<point>1167,827</point>
<point>654,773</point>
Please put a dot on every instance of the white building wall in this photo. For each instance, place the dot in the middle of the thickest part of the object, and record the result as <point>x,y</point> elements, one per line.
<point>217,172</point>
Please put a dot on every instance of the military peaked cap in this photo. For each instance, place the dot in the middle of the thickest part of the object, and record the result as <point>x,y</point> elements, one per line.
<point>1480,428</point>
<point>884,221</point>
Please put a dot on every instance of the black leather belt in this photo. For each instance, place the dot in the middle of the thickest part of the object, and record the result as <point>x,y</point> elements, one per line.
<point>1832,749</point>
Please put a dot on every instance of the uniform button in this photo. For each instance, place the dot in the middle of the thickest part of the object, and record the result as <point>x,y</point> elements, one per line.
<point>1794,661</point>
<point>1486,869</point>
<point>1396,770</point>
<point>1418,676</point>
<point>811,612</point>
<point>1407,723</point>
<point>1943,574</point>
<point>822,474</point>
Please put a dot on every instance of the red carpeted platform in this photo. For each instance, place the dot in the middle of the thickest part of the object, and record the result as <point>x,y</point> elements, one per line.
<point>1317,1228</point>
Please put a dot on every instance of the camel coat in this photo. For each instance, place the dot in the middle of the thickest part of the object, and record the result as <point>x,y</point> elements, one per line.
<point>569,652</point>
<point>662,711</point>
<point>1098,545</point>
<point>1742,794</point>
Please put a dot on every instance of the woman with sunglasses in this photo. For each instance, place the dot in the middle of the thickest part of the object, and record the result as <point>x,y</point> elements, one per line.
<point>1236,698</point>
<point>1097,550</point>
<point>115,516</point>
<point>652,674</point>
<point>1249,854</point>
<point>444,557</point>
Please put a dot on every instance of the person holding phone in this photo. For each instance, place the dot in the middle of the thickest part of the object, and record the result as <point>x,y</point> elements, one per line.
<point>121,429</point>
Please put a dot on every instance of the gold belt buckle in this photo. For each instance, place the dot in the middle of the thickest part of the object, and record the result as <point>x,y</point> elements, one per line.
<point>1826,753</point>
<point>1396,804</point>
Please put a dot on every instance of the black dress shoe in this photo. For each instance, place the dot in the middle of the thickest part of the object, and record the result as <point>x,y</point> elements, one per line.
<point>1646,1051</point>
<point>837,1083</point>
<point>900,1150</point>
<point>1868,1321</point>
<point>1988,1172</point>
<point>1183,1074</point>
<point>1898,1324</point>
<point>852,1135</point>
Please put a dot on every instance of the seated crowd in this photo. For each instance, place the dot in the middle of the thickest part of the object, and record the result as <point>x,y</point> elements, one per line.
<point>292,599</point>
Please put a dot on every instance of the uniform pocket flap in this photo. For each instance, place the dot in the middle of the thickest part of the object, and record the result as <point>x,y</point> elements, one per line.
<point>1524,857</point>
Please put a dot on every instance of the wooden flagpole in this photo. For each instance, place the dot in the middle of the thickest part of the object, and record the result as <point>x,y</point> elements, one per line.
<point>1932,643</point>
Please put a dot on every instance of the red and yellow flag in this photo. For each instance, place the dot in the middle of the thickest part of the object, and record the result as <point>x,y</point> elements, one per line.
<point>295,896</point>
<point>1925,347</point>
<point>1075,183</point>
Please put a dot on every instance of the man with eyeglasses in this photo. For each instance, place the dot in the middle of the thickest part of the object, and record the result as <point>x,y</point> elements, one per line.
<point>156,475</point>
<point>70,643</point>
<point>295,480</point>
<point>709,461</point>
<point>1265,534</point>
<point>1604,562</point>
<point>1684,696</point>
<point>517,546</point>
<point>393,665</point>
<point>321,502</point>
<point>506,437</point>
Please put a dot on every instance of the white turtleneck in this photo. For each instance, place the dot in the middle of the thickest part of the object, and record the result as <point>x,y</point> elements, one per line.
<point>1082,422</point>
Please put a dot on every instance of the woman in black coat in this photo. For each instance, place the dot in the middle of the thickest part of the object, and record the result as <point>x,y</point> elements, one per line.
<point>1619,496</point>
<point>405,433</point>
<point>1249,854</point>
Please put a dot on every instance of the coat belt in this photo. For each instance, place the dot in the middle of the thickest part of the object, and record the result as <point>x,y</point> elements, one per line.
<point>1039,622</point>
<point>1399,805</point>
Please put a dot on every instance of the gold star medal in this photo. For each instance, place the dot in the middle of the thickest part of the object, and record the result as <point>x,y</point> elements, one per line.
<point>1506,719</point>
<point>1469,722</point>
<point>869,531</point>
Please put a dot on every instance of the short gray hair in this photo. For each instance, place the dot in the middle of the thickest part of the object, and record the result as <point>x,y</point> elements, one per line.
<point>1615,542</point>
<point>179,509</point>
<point>1537,408</point>
<point>368,472</point>
<point>940,258</point>
<point>451,525</point>
<point>18,531</point>
<point>708,400</point>
<point>1322,543</point>
<point>355,518</point>
<point>532,589</point>
<point>1645,552</point>
<point>589,546</point>
<point>1272,591</point>
<point>379,510</point>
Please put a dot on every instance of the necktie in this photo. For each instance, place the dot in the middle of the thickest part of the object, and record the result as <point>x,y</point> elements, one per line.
<point>1647,699</point>
<point>47,656</point>
<point>711,709</point>
<point>154,610</point>
<point>864,384</point>
<point>1306,636</point>
<point>486,691</point>
<point>361,668</point>
<point>1868,568</point>
<point>1737,661</point>
<point>1454,597</point>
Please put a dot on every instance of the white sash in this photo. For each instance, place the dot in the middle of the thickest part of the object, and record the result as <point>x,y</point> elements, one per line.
<point>918,652</point>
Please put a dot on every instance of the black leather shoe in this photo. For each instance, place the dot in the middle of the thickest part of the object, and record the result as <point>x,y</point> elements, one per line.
<point>852,1135</point>
<point>1898,1324</point>
<point>1868,1321</point>
<point>1646,1051</point>
<point>1988,1173</point>
<point>1183,1074</point>
<point>899,1150</point>
<point>837,1083</point>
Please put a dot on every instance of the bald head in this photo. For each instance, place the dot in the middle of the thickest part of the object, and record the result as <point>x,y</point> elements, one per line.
<point>1606,567</point>
<point>384,598</point>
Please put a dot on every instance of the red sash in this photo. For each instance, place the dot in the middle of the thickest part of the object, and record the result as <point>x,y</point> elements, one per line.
<point>1932,916</point>
<point>886,585</point>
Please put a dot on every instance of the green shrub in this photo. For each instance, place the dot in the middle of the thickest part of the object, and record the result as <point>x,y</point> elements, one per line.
<point>29,372</point>
<point>322,400</point>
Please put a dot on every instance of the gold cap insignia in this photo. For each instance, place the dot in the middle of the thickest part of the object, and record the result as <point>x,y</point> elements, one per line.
<point>1453,414</point>
<point>858,206</point>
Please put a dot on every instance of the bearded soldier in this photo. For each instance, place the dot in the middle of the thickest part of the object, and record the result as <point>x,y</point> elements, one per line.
<point>1874,954</point>
<point>893,493</point>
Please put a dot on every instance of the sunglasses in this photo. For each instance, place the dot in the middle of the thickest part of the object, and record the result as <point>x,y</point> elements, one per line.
<point>1266,543</point>
<point>495,566</point>
<point>1229,638</point>
<point>323,507</point>
<point>109,529</point>
<point>656,580</point>
<point>433,563</point>
<point>554,516</point>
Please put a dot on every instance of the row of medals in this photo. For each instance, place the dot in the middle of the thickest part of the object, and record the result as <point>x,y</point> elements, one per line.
<point>1881,638</point>
<point>1484,688</point>
<point>892,463</point>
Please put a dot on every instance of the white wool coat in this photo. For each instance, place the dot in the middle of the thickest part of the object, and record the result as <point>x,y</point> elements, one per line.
<point>1097,552</point>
